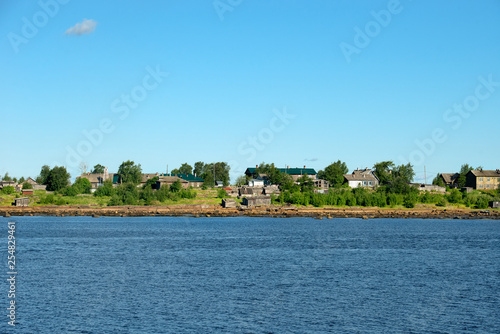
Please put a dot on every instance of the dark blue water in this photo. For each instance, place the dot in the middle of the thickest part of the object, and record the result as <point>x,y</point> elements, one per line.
<point>253,275</point>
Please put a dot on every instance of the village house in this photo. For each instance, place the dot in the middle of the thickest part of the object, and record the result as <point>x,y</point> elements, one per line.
<point>365,178</point>
<point>22,201</point>
<point>256,201</point>
<point>258,182</point>
<point>296,173</point>
<point>169,180</point>
<point>321,186</point>
<point>483,179</point>
<point>27,191</point>
<point>228,203</point>
<point>450,179</point>
<point>193,180</point>
<point>7,183</point>
<point>35,185</point>
<point>97,179</point>
<point>429,187</point>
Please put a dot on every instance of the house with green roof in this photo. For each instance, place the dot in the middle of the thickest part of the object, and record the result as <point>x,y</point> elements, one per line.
<point>294,172</point>
<point>193,180</point>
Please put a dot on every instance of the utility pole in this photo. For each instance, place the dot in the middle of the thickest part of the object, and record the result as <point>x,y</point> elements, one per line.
<point>425,175</point>
<point>214,175</point>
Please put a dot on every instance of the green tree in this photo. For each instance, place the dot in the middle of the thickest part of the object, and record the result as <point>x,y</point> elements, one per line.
<point>241,180</point>
<point>6,177</point>
<point>27,185</point>
<point>405,172</point>
<point>383,170</point>
<point>221,193</point>
<point>438,180</point>
<point>57,179</point>
<point>176,186</point>
<point>199,168</point>
<point>464,169</point>
<point>44,175</point>
<point>150,183</point>
<point>306,183</point>
<point>106,189</point>
<point>175,171</point>
<point>8,190</point>
<point>186,169</point>
<point>22,179</point>
<point>82,185</point>
<point>98,169</point>
<point>129,172</point>
<point>334,173</point>
<point>221,170</point>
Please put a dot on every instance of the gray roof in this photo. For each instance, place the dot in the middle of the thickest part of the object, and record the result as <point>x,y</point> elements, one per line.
<point>361,175</point>
<point>450,178</point>
<point>486,173</point>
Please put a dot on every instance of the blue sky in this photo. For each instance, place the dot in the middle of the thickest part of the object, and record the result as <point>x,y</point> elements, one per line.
<point>290,82</point>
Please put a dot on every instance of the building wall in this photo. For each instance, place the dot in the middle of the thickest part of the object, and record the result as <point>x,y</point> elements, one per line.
<point>486,183</point>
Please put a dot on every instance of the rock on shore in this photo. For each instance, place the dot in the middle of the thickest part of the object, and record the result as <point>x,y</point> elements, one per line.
<point>268,211</point>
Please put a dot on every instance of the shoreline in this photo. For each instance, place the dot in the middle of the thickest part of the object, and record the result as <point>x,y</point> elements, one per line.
<point>199,210</point>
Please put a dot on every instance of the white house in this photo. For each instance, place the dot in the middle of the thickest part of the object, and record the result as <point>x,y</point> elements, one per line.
<point>255,183</point>
<point>362,178</point>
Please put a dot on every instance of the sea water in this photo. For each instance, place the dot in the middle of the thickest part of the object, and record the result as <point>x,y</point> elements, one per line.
<point>253,275</point>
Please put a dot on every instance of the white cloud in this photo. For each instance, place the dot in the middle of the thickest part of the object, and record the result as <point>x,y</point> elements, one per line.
<point>83,28</point>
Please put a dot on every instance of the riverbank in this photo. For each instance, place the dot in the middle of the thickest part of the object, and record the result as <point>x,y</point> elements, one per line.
<point>269,211</point>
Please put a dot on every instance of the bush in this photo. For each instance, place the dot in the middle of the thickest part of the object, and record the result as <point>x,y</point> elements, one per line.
<point>48,199</point>
<point>482,202</point>
<point>8,190</point>
<point>441,201</point>
<point>221,193</point>
<point>455,196</point>
<point>27,185</point>
<point>106,189</point>
<point>410,200</point>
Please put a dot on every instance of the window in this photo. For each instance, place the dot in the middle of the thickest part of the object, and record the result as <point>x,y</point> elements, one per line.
<point>369,183</point>
<point>481,179</point>
<point>364,183</point>
<point>488,180</point>
<point>488,186</point>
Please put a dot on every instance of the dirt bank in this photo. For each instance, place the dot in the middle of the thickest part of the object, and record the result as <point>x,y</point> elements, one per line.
<point>270,211</point>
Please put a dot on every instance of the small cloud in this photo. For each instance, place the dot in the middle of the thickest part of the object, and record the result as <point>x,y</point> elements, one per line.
<point>311,160</point>
<point>83,28</point>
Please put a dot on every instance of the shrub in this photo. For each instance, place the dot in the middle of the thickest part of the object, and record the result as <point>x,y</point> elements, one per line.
<point>221,193</point>
<point>482,202</point>
<point>455,196</point>
<point>441,201</point>
<point>409,200</point>
<point>27,185</point>
<point>8,190</point>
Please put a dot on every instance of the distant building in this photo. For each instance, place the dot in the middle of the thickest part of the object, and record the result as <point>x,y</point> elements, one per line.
<point>494,204</point>
<point>228,203</point>
<point>27,191</point>
<point>219,184</point>
<point>321,184</point>
<point>256,182</point>
<point>429,187</point>
<point>7,183</point>
<point>97,179</point>
<point>450,179</point>
<point>194,181</point>
<point>256,201</point>
<point>483,179</point>
<point>362,178</point>
<point>22,201</point>
<point>36,186</point>
<point>294,172</point>
<point>169,180</point>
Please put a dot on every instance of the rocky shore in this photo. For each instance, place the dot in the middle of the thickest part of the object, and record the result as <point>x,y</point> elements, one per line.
<point>269,211</point>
